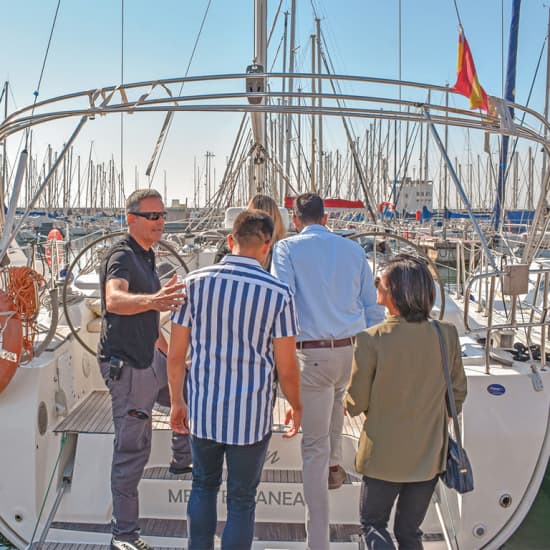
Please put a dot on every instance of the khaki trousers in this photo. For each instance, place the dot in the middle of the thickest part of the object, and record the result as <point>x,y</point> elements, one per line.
<point>325,374</point>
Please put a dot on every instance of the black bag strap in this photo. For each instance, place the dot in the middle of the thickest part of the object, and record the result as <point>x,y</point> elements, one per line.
<point>450,397</point>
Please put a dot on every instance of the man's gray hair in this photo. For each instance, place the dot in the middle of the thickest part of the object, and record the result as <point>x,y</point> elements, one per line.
<point>134,200</point>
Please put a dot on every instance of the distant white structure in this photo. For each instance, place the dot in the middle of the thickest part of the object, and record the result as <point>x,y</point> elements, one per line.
<point>414,194</point>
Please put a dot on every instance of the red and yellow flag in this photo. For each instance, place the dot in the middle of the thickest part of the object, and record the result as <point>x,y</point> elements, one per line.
<point>466,77</point>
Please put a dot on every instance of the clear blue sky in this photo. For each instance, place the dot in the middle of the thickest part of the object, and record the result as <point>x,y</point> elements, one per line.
<point>159,35</point>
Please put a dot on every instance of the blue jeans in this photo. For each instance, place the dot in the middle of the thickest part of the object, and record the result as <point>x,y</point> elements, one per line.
<point>244,470</point>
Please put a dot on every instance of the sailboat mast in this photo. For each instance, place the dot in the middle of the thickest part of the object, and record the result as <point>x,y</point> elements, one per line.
<point>290,91</point>
<point>509,95</point>
<point>258,119</point>
<point>319,103</point>
<point>283,119</point>
<point>542,205</point>
<point>546,96</point>
<point>313,130</point>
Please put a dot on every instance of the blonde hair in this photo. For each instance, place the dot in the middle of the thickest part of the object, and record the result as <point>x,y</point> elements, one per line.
<point>267,204</point>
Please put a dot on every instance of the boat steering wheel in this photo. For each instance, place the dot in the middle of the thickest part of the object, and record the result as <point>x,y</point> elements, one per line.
<point>88,260</point>
<point>383,250</point>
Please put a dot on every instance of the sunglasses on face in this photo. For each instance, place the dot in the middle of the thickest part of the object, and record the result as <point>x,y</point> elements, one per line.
<point>151,216</point>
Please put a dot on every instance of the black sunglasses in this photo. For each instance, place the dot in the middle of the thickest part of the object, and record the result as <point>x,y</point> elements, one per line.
<point>151,216</point>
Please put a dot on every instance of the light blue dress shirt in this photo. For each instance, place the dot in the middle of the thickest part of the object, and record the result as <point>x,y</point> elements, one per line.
<point>331,281</point>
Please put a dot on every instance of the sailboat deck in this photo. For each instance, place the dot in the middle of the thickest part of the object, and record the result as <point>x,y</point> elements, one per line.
<point>177,529</point>
<point>94,415</point>
<point>269,475</point>
<point>74,546</point>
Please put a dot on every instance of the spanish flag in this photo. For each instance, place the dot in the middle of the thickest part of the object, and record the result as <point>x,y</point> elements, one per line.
<point>466,80</point>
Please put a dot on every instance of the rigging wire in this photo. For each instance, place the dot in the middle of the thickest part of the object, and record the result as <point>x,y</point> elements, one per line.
<point>457,14</point>
<point>216,199</point>
<point>348,126</point>
<point>276,56</point>
<point>502,48</point>
<point>28,134</point>
<point>37,91</point>
<point>275,21</point>
<point>161,141</point>
<point>122,194</point>
<point>544,43</point>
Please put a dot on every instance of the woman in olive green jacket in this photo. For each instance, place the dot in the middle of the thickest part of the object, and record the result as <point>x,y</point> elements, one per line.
<point>398,382</point>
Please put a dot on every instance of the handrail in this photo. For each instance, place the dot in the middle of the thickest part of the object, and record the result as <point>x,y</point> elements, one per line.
<point>488,275</point>
<point>544,322</point>
<point>469,284</point>
<point>494,328</point>
<point>419,251</point>
<point>449,535</point>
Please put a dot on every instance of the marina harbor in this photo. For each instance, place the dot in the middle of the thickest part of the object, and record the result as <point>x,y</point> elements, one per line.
<point>405,165</point>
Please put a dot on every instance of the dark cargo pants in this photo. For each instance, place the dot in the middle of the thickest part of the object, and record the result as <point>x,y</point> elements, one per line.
<point>133,397</point>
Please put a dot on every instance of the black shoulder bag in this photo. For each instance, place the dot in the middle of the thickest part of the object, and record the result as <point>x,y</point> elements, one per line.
<point>458,474</point>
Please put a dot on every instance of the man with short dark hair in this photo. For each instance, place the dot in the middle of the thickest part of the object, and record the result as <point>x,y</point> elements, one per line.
<point>241,325</point>
<point>131,363</point>
<point>335,300</point>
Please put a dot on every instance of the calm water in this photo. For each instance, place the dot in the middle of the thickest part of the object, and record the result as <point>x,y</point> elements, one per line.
<point>534,532</point>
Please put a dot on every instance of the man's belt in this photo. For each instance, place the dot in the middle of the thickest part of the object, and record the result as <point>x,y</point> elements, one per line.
<point>328,343</point>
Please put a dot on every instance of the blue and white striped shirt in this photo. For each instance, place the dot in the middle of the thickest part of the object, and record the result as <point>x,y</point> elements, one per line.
<point>234,310</point>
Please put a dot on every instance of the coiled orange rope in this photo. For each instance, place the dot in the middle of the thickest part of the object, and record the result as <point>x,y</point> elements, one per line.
<point>22,285</point>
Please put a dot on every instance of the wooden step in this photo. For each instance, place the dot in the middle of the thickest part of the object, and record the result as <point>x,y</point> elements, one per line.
<point>270,475</point>
<point>166,534</point>
<point>94,415</point>
<point>263,531</point>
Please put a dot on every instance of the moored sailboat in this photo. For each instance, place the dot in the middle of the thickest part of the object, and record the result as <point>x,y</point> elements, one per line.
<point>54,491</point>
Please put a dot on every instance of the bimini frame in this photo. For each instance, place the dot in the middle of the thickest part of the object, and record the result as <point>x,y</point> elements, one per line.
<point>160,96</point>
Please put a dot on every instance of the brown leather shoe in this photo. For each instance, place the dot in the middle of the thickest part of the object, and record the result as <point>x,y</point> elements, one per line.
<point>336,477</point>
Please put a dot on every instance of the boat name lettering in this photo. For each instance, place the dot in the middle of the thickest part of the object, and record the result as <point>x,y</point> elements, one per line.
<point>272,457</point>
<point>280,498</point>
<point>496,389</point>
<point>179,496</point>
<point>269,498</point>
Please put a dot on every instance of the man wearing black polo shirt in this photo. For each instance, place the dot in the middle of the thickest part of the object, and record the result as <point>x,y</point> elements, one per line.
<point>133,367</point>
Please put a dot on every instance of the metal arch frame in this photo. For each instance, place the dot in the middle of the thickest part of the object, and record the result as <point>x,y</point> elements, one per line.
<point>28,116</point>
<point>163,244</point>
<point>419,251</point>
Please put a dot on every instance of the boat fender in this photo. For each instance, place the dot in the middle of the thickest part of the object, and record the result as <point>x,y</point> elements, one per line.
<point>53,235</point>
<point>11,339</point>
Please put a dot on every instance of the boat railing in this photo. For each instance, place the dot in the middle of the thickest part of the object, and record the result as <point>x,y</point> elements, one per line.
<point>513,282</point>
<point>226,94</point>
